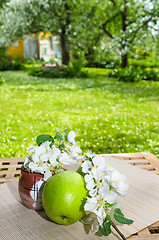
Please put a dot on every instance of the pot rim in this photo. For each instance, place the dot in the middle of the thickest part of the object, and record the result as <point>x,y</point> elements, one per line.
<point>24,170</point>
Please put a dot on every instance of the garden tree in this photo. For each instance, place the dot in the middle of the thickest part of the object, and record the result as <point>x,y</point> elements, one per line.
<point>55,16</point>
<point>81,24</point>
<point>2,2</point>
<point>124,22</point>
<point>87,35</point>
<point>2,38</point>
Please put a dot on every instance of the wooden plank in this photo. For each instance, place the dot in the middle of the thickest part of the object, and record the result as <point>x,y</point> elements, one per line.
<point>126,156</point>
<point>146,167</point>
<point>151,237</point>
<point>5,180</point>
<point>6,172</point>
<point>153,160</point>
<point>154,226</point>
<point>138,161</point>
<point>10,166</point>
<point>11,160</point>
<point>144,232</point>
<point>155,172</point>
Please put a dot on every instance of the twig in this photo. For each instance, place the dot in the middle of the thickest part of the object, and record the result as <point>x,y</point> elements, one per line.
<point>118,231</point>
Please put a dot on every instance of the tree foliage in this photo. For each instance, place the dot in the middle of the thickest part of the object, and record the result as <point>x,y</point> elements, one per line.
<point>81,25</point>
<point>55,16</point>
<point>124,23</point>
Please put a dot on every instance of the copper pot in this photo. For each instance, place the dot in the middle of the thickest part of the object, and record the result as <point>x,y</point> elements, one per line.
<point>30,189</point>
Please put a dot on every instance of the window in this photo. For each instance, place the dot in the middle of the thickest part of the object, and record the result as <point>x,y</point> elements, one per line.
<point>45,51</point>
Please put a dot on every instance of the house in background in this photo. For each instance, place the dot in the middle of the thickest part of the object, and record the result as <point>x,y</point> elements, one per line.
<point>25,48</point>
<point>39,46</point>
<point>49,47</point>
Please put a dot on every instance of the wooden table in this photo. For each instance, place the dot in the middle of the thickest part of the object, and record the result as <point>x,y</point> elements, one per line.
<point>10,169</point>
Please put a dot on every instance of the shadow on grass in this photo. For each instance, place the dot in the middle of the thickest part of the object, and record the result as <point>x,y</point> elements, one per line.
<point>21,81</point>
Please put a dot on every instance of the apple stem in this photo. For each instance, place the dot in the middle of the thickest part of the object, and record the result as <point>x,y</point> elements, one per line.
<point>118,231</point>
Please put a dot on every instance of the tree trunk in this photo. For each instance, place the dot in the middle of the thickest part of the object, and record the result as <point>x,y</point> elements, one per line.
<point>64,49</point>
<point>124,16</point>
<point>124,59</point>
<point>63,37</point>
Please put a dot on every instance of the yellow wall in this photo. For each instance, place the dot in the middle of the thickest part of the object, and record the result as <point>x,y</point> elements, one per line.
<point>19,50</point>
<point>16,50</point>
<point>45,35</point>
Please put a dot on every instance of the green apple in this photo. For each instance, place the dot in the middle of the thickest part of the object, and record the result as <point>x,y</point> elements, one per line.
<point>64,196</point>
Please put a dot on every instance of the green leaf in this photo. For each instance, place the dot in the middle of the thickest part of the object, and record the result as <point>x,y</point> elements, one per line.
<point>108,218</point>
<point>110,205</point>
<point>106,230</point>
<point>65,134</point>
<point>62,146</point>
<point>119,217</point>
<point>43,138</point>
<point>59,136</point>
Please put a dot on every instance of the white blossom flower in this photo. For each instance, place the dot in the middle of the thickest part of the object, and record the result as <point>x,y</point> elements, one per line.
<point>93,192</point>
<point>107,195</point>
<point>26,161</point>
<point>100,168</point>
<point>111,197</point>
<point>30,149</point>
<point>53,160</point>
<point>71,137</point>
<point>86,166</point>
<point>100,163</point>
<point>90,184</point>
<point>47,146</point>
<point>33,166</point>
<point>75,150</point>
<point>44,167</point>
<point>105,186</point>
<point>65,159</point>
<point>103,190</point>
<point>96,173</point>
<point>56,151</point>
<point>118,181</point>
<point>35,158</point>
<point>42,152</point>
<point>90,155</point>
<point>54,156</point>
<point>101,215</point>
<point>91,205</point>
<point>45,157</point>
<point>37,152</point>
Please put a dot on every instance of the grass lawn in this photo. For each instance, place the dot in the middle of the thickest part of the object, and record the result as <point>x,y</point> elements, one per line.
<point>108,116</point>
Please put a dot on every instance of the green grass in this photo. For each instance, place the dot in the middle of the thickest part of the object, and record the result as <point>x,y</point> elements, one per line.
<point>108,116</point>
